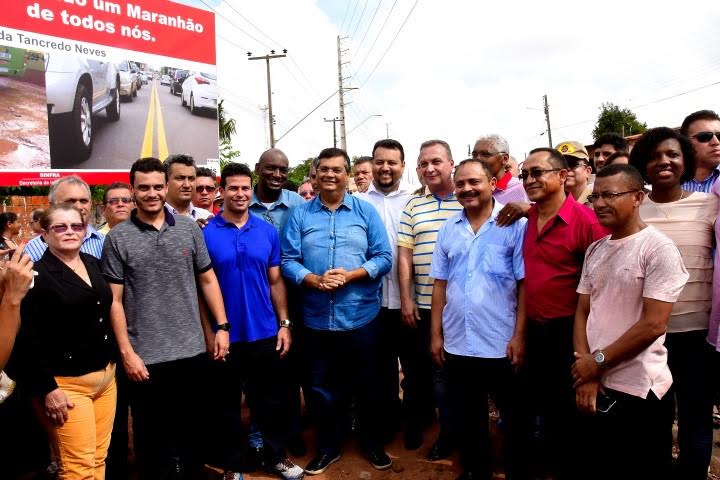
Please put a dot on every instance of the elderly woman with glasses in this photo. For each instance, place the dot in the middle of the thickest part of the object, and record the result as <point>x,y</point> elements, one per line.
<point>666,159</point>
<point>65,348</point>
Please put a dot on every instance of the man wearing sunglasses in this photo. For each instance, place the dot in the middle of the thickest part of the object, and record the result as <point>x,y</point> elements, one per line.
<point>494,152</point>
<point>579,170</point>
<point>205,188</point>
<point>629,283</point>
<point>703,130</point>
<point>117,203</point>
<point>559,230</point>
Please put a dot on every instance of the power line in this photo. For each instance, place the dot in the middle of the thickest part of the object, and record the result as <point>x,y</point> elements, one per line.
<point>362,14</point>
<point>367,30</point>
<point>391,44</point>
<point>306,116</point>
<point>252,24</point>
<point>345,16</point>
<point>378,36</point>
<point>352,16</point>
<point>233,23</point>
<point>232,43</point>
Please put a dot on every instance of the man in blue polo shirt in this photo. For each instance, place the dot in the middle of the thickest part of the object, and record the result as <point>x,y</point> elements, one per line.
<point>477,330</point>
<point>245,253</point>
<point>270,201</point>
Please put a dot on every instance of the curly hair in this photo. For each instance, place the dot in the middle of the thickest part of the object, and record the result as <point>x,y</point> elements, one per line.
<point>646,145</point>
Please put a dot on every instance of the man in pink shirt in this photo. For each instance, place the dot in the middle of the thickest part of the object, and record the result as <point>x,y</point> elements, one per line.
<point>629,283</point>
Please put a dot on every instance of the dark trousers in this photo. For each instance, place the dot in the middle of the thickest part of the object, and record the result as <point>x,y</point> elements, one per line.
<point>256,366</point>
<point>549,389</point>
<point>631,441</point>
<point>168,411</point>
<point>470,381</point>
<point>391,340</point>
<point>117,459</point>
<point>689,357</point>
<point>345,362</point>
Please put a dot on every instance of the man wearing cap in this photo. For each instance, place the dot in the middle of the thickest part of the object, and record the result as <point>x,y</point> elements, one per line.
<point>494,152</point>
<point>579,170</point>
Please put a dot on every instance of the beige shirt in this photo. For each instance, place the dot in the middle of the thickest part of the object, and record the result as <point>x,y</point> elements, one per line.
<point>690,224</point>
<point>617,275</point>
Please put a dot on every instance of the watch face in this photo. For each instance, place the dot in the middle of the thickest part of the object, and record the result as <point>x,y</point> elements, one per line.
<point>599,357</point>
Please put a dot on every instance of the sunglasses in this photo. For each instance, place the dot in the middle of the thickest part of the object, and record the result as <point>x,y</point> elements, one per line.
<point>705,137</point>
<point>536,173</point>
<point>594,197</point>
<point>204,188</point>
<point>62,228</point>
<point>116,200</point>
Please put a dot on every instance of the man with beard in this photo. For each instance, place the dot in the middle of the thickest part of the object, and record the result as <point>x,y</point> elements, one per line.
<point>155,264</point>
<point>117,203</point>
<point>205,188</point>
<point>181,176</point>
<point>270,201</point>
<point>477,328</point>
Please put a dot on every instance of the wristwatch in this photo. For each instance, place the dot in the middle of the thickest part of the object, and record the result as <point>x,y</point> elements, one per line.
<point>599,357</point>
<point>286,323</point>
<point>224,326</point>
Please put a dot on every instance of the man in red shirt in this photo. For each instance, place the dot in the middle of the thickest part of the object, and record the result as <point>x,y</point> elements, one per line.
<point>558,233</point>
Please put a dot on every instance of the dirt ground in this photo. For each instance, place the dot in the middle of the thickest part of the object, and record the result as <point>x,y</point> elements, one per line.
<point>23,123</point>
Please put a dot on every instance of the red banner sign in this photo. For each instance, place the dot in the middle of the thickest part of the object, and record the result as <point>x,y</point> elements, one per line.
<point>44,178</point>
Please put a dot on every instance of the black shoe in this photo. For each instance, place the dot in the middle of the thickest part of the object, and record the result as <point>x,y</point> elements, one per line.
<point>321,462</point>
<point>255,459</point>
<point>413,438</point>
<point>378,459</point>
<point>439,451</point>
<point>296,446</point>
<point>469,475</point>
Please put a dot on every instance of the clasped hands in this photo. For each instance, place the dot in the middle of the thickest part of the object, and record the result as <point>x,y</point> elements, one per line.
<point>333,279</point>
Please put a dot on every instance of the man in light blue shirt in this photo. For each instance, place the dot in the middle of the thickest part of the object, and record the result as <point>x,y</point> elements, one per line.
<point>476,327</point>
<point>270,201</point>
<point>72,189</point>
<point>336,248</point>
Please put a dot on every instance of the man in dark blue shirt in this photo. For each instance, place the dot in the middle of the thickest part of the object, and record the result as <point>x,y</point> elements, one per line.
<point>245,253</point>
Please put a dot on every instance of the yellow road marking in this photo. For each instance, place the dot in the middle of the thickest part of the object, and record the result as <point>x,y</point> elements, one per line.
<point>147,146</point>
<point>162,141</point>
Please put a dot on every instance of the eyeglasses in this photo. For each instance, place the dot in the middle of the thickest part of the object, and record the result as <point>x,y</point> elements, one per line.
<point>594,197</point>
<point>484,154</point>
<point>62,228</point>
<point>536,173</point>
<point>116,200</point>
<point>205,188</point>
<point>705,137</point>
<point>573,166</point>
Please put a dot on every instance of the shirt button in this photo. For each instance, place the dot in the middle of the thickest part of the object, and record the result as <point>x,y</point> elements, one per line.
<point>98,303</point>
<point>106,337</point>
<point>100,320</point>
<point>331,301</point>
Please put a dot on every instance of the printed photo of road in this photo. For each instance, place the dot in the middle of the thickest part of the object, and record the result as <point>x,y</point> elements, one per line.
<point>23,110</point>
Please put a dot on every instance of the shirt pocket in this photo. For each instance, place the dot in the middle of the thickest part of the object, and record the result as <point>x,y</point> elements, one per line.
<point>497,260</point>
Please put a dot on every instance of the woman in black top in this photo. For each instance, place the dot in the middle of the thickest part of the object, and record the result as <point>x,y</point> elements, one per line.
<point>65,348</point>
<point>9,228</point>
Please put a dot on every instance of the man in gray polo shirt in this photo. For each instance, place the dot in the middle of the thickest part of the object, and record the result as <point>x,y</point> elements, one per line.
<point>153,263</point>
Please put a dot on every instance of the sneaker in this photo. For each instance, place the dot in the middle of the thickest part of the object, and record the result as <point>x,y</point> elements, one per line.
<point>7,386</point>
<point>230,475</point>
<point>378,459</point>
<point>287,469</point>
<point>321,463</point>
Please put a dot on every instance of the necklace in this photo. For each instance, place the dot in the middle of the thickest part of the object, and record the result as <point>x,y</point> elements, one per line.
<point>682,195</point>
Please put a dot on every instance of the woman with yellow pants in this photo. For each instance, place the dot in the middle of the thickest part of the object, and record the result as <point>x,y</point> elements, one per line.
<point>65,348</point>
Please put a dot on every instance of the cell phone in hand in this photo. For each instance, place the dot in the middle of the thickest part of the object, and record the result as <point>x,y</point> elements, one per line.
<point>604,402</point>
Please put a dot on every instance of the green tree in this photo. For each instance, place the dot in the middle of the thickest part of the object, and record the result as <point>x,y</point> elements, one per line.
<point>613,119</point>
<point>300,171</point>
<point>227,128</point>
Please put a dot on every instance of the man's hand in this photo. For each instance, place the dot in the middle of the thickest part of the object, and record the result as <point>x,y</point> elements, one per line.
<point>135,367</point>
<point>511,213</point>
<point>586,396</point>
<point>202,222</point>
<point>410,313</point>
<point>221,345</point>
<point>331,280</point>
<point>284,339</point>
<point>437,349</point>
<point>16,276</point>
<point>516,351</point>
<point>56,407</point>
<point>585,369</point>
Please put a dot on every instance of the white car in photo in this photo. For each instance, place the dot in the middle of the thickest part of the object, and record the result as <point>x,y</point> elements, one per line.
<point>128,81</point>
<point>200,91</point>
<point>77,89</point>
<point>165,80</point>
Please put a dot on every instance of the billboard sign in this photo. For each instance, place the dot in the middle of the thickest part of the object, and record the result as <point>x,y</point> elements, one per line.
<point>92,85</point>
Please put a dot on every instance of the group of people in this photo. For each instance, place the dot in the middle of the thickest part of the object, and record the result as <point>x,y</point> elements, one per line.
<point>587,309</point>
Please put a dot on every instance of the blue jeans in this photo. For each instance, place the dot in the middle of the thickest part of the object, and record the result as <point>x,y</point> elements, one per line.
<point>690,357</point>
<point>345,362</point>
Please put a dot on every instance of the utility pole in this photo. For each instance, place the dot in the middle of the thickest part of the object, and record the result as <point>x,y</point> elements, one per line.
<point>271,117</point>
<point>547,120</point>
<point>341,96</point>
<point>387,129</point>
<point>333,120</point>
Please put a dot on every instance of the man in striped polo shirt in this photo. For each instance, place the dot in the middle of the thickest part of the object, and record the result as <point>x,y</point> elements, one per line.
<point>419,225</point>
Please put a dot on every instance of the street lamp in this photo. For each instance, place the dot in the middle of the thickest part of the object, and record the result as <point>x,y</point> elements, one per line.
<point>356,126</point>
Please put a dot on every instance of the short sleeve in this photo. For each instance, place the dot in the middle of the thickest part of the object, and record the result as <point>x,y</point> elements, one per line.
<point>406,234</point>
<point>274,260</point>
<point>202,257</point>
<point>584,285</point>
<point>440,265</point>
<point>665,274</point>
<point>111,264</point>
<point>519,240</point>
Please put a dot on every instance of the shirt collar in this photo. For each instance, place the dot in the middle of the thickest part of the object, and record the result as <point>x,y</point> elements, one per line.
<point>221,222</point>
<point>316,205</point>
<point>402,190</point>
<point>451,196</point>
<point>282,199</point>
<point>173,210</point>
<point>567,210</point>
<point>169,219</point>
<point>497,206</point>
<point>502,183</point>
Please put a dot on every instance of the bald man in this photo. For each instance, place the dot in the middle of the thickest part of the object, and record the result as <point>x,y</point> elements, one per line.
<point>270,201</point>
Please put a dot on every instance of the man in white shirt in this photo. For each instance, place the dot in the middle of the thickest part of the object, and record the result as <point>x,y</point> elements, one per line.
<point>181,174</point>
<point>389,195</point>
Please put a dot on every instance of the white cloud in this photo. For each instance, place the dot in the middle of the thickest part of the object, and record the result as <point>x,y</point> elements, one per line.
<point>462,68</point>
